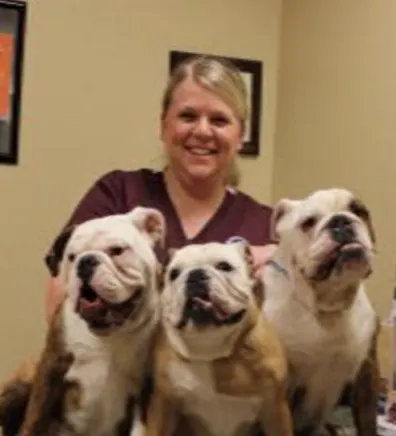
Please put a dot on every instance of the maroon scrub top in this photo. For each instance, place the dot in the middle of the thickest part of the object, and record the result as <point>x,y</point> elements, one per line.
<point>120,191</point>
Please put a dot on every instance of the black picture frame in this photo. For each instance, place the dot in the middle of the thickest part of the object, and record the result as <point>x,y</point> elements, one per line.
<point>12,39</point>
<point>252,72</point>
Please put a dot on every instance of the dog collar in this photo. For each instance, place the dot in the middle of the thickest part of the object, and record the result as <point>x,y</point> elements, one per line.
<point>278,267</point>
<point>235,239</point>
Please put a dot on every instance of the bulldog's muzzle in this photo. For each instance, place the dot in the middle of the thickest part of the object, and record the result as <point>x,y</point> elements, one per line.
<point>197,295</point>
<point>86,267</point>
<point>200,307</point>
<point>197,284</point>
<point>348,248</point>
<point>341,229</point>
<point>99,314</point>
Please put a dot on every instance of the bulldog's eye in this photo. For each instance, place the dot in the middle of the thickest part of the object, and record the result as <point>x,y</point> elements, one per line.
<point>116,250</point>
<point>224,266</point>
<point>174,274</point>
<point>359,210</point>
<point>309,223</point>
<point>71,257</point>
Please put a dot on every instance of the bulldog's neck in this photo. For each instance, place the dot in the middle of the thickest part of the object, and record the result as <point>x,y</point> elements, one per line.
<point>202,346</point>
<point>328,301</point>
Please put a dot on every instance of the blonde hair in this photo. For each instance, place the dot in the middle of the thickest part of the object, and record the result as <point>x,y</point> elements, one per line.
<point>219,76</point>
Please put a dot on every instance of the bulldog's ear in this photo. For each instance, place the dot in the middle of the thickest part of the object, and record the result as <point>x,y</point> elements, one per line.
<point>258,285</point>
<point>281,210</point>
<point>246,251</point>
<point>150,221</point>
<point>55,255</point>
<point>248,255</point>
<point>164,267</point>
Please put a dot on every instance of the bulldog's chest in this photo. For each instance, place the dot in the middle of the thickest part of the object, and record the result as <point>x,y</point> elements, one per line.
<point>320,370</point>
<point>105,374</point>
<point>323,358</point>
<point>103,397</point>
<point>219,414</point>
<point>314,348</point>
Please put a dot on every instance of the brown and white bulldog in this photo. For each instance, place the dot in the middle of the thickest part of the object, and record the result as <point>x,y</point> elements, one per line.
<point>315,297</point>
<point>219,368</point>
<point>98,346</point>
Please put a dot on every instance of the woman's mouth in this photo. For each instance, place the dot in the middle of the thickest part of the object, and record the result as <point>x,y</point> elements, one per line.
<point>201,151</point>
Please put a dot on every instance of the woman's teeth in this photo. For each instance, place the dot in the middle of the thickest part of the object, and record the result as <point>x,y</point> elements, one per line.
<point>201,151</point>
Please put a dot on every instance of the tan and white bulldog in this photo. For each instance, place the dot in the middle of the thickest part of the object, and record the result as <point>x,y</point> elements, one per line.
<point>98,346</point>
<point>219,368</point>
<point>315,297</point>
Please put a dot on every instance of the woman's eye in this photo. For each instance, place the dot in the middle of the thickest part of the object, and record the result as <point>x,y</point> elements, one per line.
<point>219,121</point>
<point>188,116</point>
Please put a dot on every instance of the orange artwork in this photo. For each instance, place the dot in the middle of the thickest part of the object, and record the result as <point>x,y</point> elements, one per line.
<point>6,50</point>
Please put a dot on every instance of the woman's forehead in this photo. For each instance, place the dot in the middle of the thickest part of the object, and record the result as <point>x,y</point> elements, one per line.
<point>191,93</point>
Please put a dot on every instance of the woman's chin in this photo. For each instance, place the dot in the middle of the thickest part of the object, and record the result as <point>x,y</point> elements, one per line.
<point>202,173</point>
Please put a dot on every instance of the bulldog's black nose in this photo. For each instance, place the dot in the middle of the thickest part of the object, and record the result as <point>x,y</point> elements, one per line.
<point>86,267</point>
<point>197,283</point>
<point>341,228</point>
<point>197,276</point>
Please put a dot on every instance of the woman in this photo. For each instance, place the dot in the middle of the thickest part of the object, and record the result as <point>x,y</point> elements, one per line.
<point>202,127</point>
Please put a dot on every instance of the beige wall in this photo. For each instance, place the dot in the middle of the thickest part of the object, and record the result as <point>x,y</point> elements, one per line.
<point>94,72</point>
<point>337,111</point>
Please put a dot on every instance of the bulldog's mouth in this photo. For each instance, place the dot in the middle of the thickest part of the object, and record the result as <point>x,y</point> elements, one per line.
<point>101,315</point>
<point>202,310</point>
<point>207,305</point>
<point>349,253</point>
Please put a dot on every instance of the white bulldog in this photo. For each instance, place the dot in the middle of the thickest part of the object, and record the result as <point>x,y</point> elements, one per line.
<point>219,367</point>
<point>98,347</point>
<point>316,299</point>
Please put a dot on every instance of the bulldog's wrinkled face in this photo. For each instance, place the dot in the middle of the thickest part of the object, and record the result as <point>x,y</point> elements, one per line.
<point>208,286</point>
<point>109,267</point>
<point>328,236</point>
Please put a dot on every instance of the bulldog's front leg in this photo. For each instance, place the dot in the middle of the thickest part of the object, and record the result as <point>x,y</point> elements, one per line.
<point>365,392</point>
<point>276,420</point>
<point>50,418</point>
<point>45,407</point>
<point>162,416</point>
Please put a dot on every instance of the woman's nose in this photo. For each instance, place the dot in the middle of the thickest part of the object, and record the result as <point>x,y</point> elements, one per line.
<point>203,127</point>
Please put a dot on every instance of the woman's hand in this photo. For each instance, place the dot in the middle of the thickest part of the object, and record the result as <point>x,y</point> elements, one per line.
<point>261,254</point>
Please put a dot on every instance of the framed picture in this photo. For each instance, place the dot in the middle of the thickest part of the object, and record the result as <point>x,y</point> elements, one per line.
<point>252,72</point>
<point>12,32</point>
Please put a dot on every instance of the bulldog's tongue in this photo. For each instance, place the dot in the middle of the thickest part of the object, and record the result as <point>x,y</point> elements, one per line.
<point>204,304</point>
<point>91,309</point>
<point>114,317</point>
<point>209,306</point>
<point>98,310</point>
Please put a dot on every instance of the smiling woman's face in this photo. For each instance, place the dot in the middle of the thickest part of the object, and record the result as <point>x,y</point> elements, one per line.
<point>201,133</point>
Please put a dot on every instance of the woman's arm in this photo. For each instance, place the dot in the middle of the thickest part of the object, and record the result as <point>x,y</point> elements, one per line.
<point>261,254</point>
<point>53,297</point>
